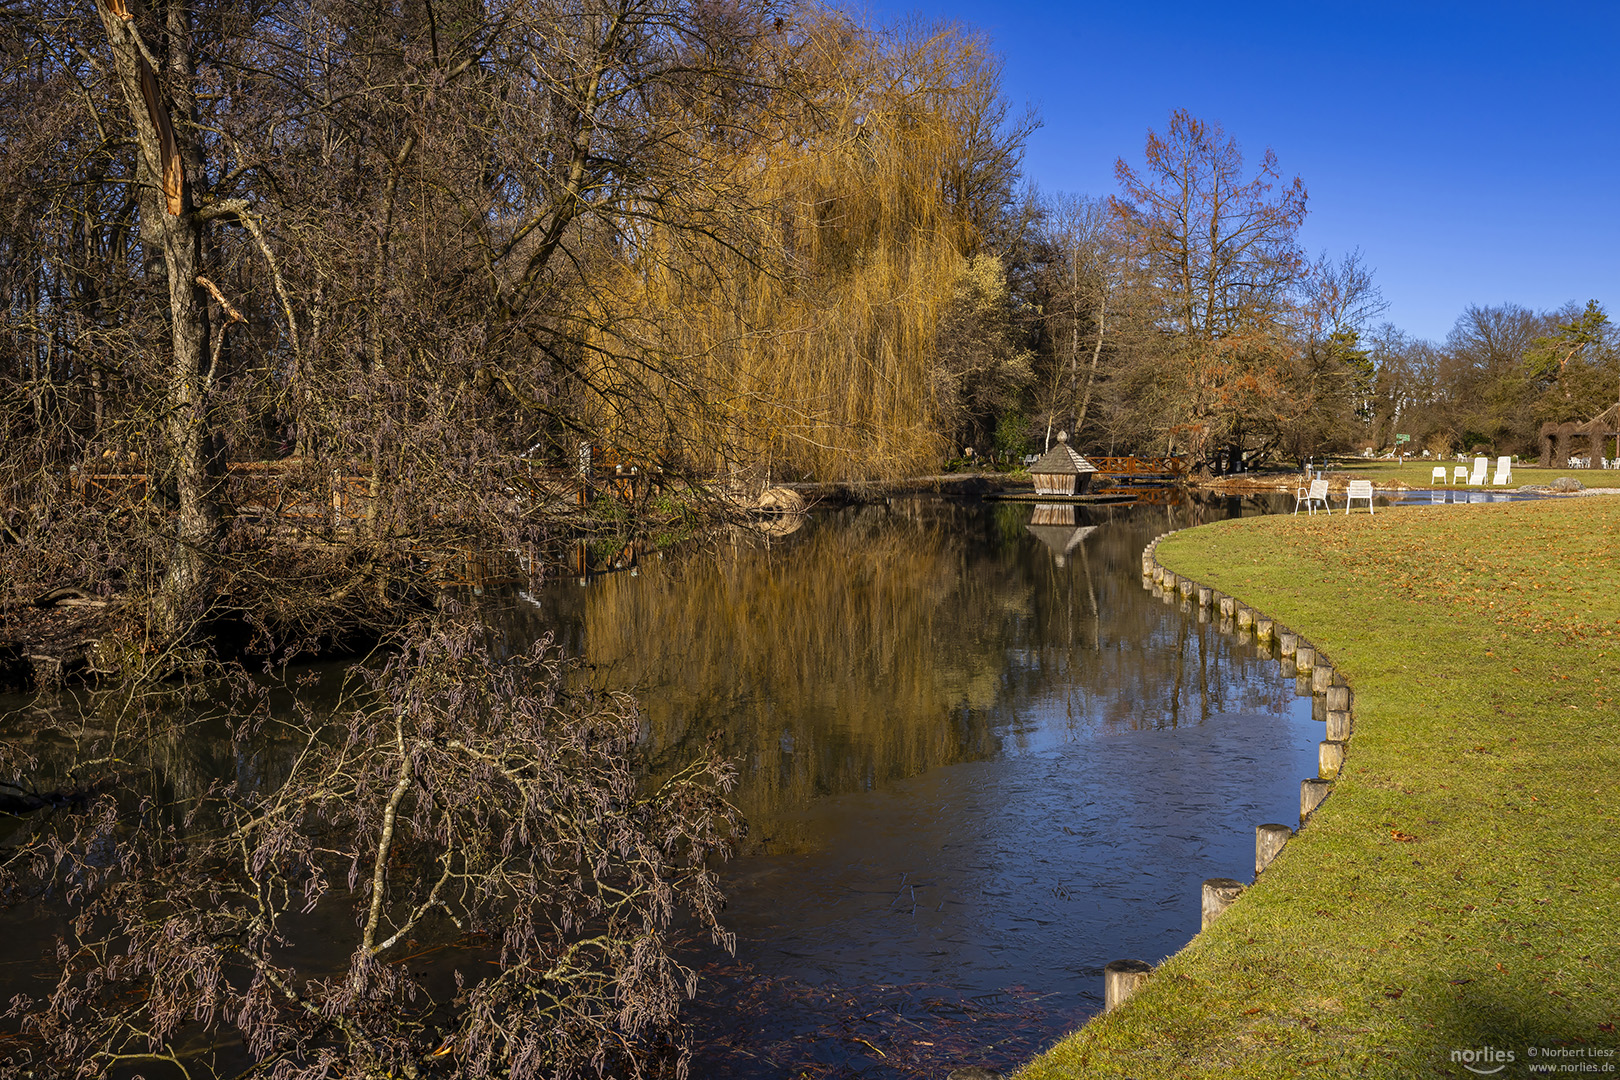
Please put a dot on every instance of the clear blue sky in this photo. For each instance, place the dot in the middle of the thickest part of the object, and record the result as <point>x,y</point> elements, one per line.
<point>1470,150</point>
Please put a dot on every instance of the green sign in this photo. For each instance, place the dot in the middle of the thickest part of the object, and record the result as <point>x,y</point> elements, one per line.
<point>1403,438</point>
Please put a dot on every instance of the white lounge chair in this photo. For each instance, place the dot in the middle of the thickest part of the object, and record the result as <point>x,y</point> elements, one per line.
<point>1309,497</point>
<point>1439,476</point>
<point>1504,471</point>
<point>1459,475</point>
<point>1477,477</point>
<point>1359,489</point>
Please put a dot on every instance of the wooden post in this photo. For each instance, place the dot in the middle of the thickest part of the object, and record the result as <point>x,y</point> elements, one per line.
<point>1228,607</point>
<point>1219,894</point>
<point>1186,586</point>
<point>1264,628</point>
<point>1121,979</point>
<point>1268,841</point>
<point>1286,669</point>
<point>1321,678</point>
<point>1304,657</point>
<point>1330,759</point>
<point>1311,793</point>
<point>1204,596</point>
<point>1338,725</point>
<point>1245,619</point>
<point>1287,643</point>
<point>1338,697</point>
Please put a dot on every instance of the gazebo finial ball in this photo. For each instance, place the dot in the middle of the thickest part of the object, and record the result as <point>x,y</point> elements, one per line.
<point>1063,436</point>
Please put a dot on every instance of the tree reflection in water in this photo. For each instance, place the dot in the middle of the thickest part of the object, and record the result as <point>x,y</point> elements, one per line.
<point>969,764</point>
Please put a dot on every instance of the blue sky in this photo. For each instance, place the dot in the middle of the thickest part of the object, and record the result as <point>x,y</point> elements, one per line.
<point>1471,151</point>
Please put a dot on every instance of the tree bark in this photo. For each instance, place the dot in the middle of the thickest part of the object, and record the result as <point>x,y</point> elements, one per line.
<point>187,588</point>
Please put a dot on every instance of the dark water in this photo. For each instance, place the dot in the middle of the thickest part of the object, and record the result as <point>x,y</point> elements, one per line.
<point>979,761</point>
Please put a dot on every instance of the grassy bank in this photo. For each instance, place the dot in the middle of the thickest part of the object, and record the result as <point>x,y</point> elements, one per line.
<point>1460,888</point>
<point>1420,474</point>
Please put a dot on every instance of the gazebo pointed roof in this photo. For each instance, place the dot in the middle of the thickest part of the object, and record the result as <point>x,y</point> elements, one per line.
<point>1060,540</point>
<point>1062,460</point>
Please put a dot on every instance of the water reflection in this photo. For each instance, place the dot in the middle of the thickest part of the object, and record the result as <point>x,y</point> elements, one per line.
<point>975,751</point>
<point>883,641</point>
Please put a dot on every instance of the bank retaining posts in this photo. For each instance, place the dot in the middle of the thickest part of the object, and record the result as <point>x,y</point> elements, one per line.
<point>1121,979</point>
<point>1219,894</point>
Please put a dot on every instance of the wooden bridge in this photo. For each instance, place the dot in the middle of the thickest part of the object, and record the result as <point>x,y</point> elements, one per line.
<point>1140,468</point>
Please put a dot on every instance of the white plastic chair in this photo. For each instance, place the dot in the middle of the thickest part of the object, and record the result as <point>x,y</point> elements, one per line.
<point>1439,474</point>
<point>1459,475</point>
<point>1308,498</point>
<point>1477,477</point>
<point>1359,489</point>
<point>1504,471</point>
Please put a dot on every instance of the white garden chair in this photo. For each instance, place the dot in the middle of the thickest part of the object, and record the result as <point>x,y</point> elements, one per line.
<point>1359,489</point>
<point>1439,476</point>
<point>1504,471</point>
<point>1459,475</point>
<point>1309,497</point>
<point>1477,477</point>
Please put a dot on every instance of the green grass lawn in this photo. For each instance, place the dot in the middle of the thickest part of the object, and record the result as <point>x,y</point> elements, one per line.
<point>1460,888</point>
<point>1420,474</point>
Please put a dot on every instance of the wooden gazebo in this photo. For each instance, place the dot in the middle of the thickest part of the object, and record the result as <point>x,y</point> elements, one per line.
<point>1061,471</point>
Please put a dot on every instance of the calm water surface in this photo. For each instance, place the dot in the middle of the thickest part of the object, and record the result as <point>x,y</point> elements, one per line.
<point>979,761</point>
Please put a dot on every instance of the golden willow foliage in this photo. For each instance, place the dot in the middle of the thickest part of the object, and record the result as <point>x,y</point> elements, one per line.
<point>816,336</point>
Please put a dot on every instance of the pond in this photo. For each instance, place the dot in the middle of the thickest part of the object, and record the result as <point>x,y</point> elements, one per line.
<point>979,761</point>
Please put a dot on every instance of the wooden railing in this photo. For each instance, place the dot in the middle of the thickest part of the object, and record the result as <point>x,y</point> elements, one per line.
<point>1140,467</point>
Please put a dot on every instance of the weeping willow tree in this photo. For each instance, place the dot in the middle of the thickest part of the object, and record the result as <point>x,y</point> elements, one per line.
<point>814,332</point>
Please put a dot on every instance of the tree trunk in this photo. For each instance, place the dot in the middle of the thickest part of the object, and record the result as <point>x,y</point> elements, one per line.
<point>187,588</point>
<point>1091,373</point>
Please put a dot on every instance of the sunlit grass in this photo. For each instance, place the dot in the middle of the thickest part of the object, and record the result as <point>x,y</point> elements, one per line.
<point>1420,473</point>
<point>1460,887</point>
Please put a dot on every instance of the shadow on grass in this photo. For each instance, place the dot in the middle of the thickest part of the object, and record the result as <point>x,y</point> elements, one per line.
<point>1488,1025</point>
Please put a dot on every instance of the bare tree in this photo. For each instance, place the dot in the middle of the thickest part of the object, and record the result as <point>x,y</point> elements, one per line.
<point>507,883</point>
<point>1219,249</point>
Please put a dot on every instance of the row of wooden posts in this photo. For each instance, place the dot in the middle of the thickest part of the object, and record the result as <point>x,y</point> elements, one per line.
<point>1331,702</point>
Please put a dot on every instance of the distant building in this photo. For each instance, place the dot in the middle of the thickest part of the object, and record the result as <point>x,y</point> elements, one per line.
<point>1061,471</point>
